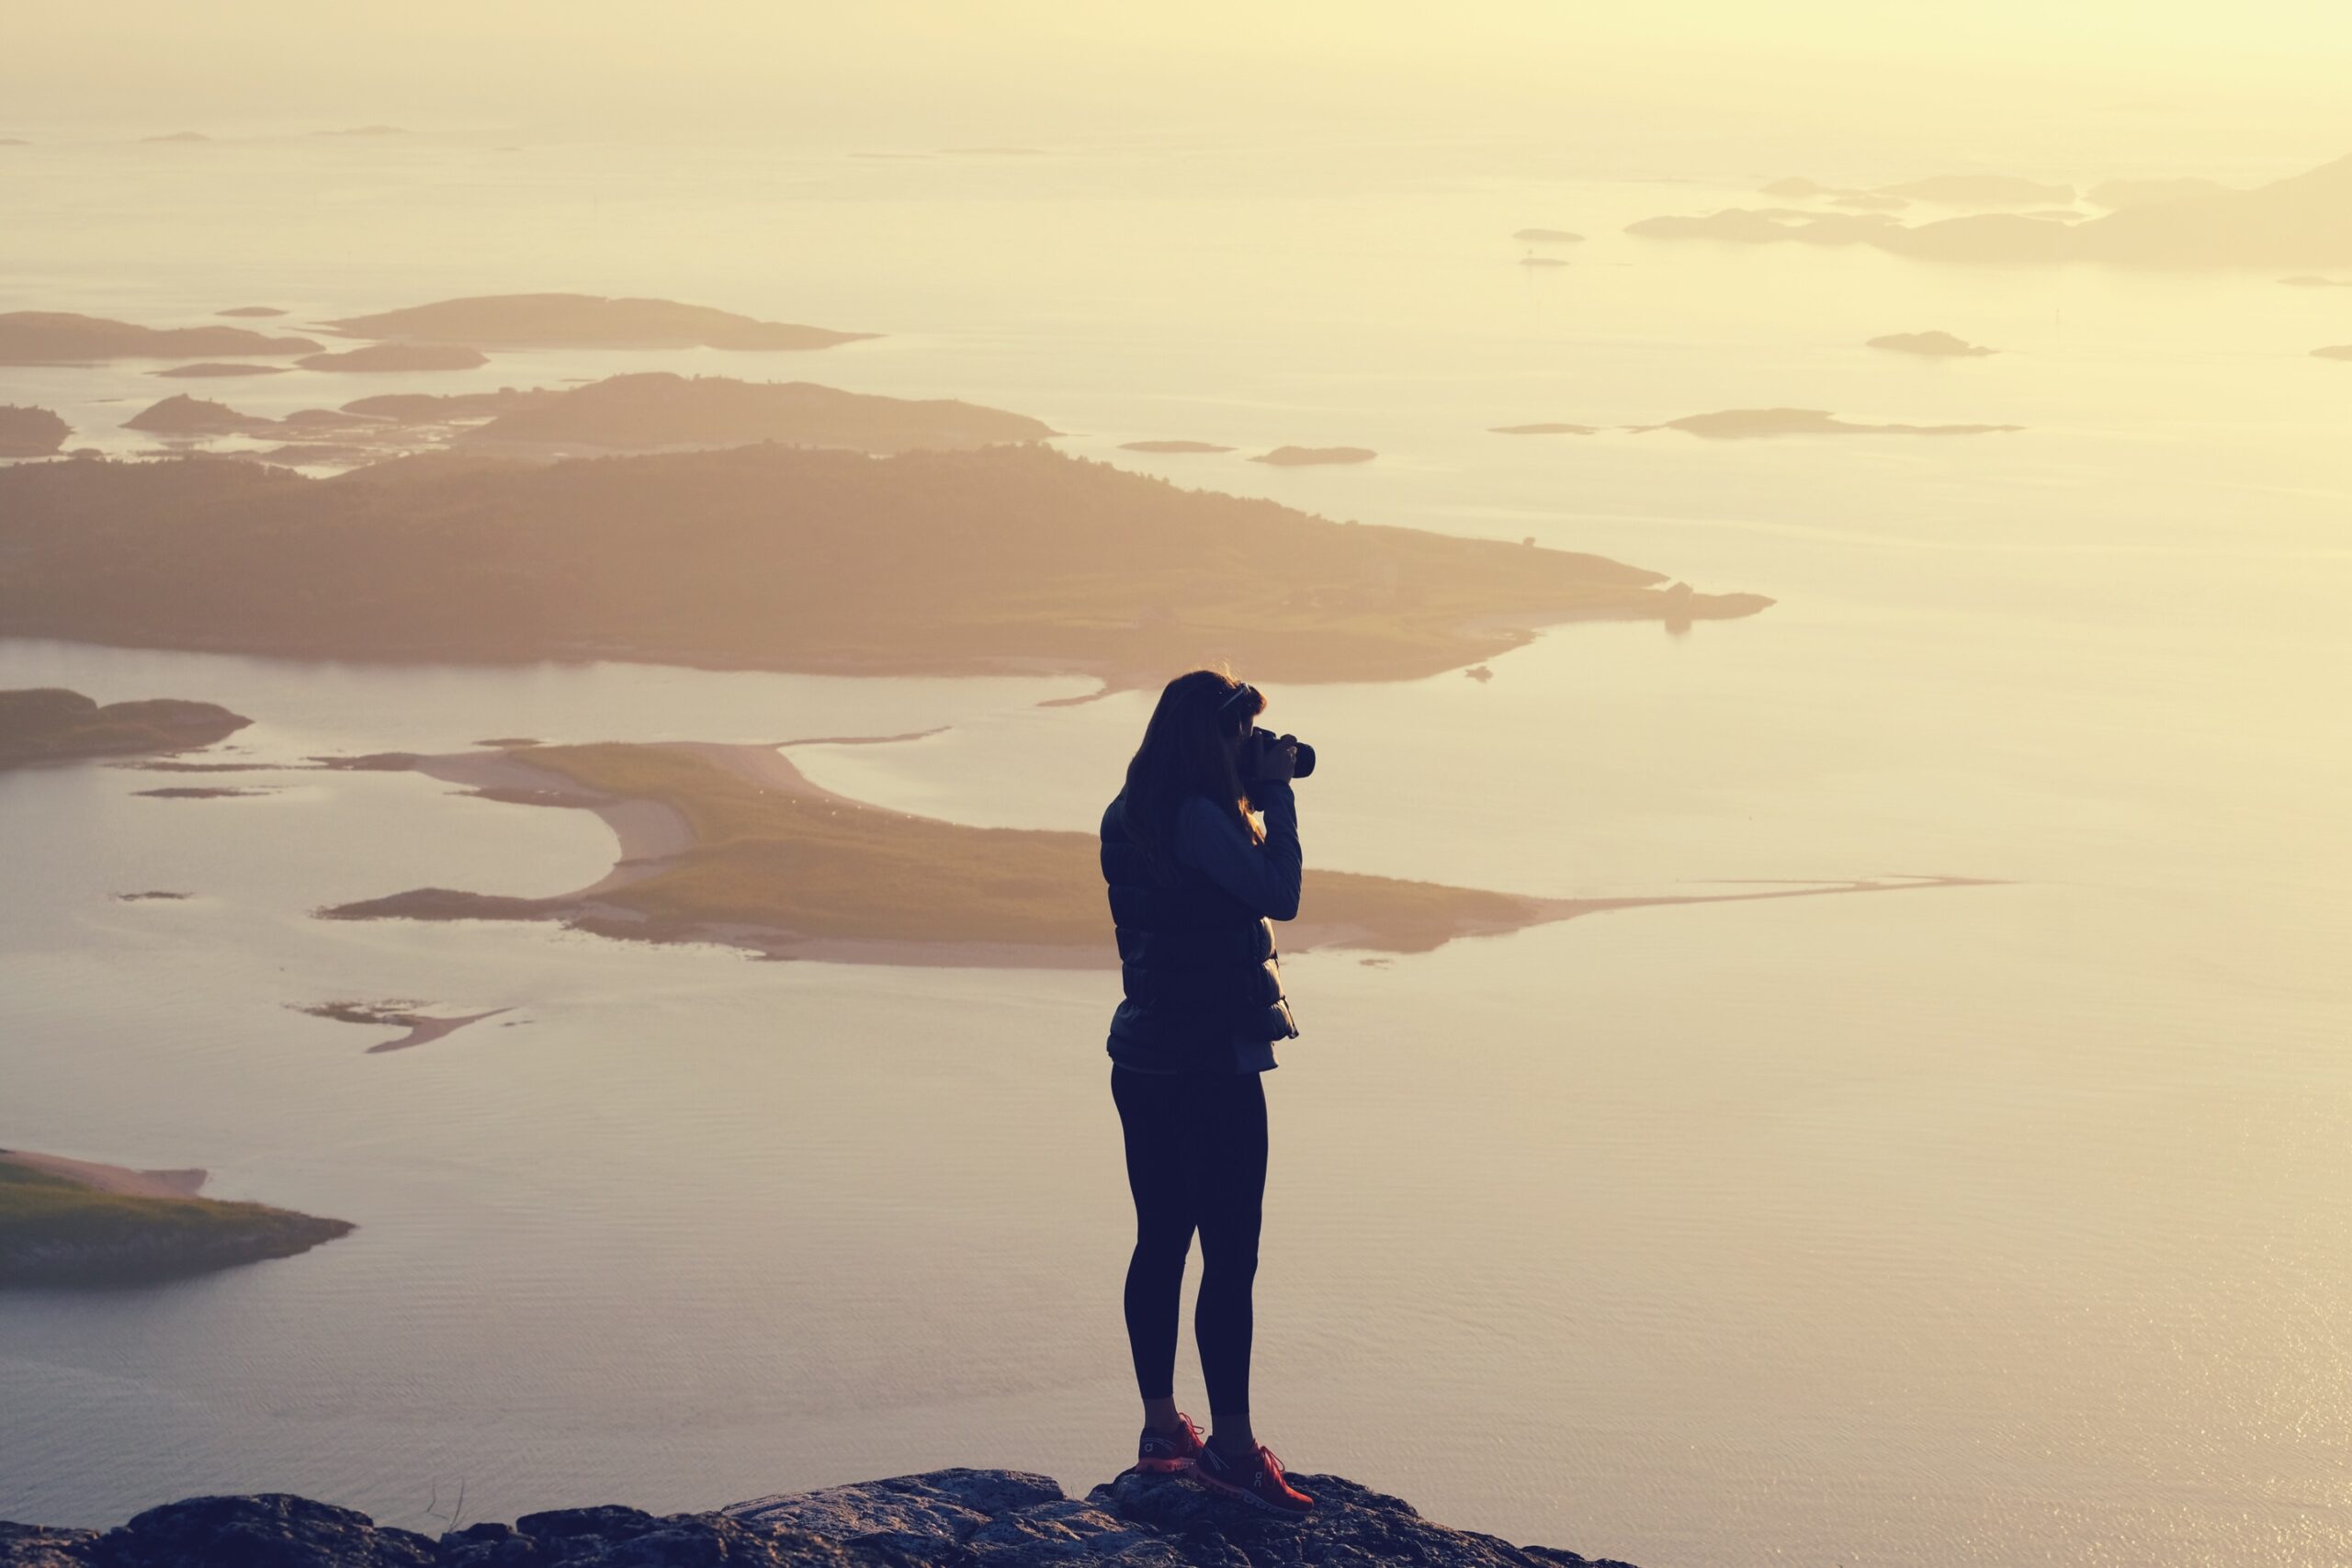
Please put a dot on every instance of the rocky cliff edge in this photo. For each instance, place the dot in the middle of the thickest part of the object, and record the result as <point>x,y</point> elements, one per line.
<point>946,1518</point>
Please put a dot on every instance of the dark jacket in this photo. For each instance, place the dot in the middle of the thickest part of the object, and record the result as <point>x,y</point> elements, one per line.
<point>1197,952</point>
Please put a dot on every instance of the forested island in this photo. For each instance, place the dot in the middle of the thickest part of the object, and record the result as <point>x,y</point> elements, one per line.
<point>49,724</point>
<point>653,410</point>
<point>1005,558</point>
<point>61,337</point>
<point>30,432</point>
<point>584,320</point>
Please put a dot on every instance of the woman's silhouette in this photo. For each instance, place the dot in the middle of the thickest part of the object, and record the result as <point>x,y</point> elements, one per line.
<point>1194,881</point>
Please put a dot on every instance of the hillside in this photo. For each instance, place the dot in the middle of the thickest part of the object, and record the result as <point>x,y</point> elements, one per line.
<point>1009,558</point>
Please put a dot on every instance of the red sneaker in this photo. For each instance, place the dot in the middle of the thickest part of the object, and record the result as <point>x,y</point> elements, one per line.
<point>1162,1453</point>
<point>1261,1484</point>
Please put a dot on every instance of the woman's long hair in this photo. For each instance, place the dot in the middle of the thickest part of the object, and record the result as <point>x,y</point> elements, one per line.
<point>1183,754</point>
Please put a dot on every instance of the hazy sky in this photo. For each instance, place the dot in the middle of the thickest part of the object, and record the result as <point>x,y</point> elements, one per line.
<point>1030,68</point>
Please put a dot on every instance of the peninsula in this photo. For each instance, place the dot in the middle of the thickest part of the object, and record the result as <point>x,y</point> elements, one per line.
<point>943,1518</point>
<point>49,724</point>
<point>67,1222</point>
<point>58,337</point>
<point>733,845</point>
<point>1006,558</point>
<point>584,321</point>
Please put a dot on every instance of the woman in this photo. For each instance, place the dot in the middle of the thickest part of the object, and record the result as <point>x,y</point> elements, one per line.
<point>1194,881</point>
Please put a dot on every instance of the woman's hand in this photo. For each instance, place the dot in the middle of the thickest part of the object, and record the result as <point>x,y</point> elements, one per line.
<point>1279,760</point>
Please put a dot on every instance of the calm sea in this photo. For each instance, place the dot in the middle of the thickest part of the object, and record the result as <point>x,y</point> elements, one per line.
<point>2001,1225</point>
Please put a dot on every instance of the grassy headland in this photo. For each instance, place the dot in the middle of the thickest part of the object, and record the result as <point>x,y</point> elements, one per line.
<point>65,1223</point>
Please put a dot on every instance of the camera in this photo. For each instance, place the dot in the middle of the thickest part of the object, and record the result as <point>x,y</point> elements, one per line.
<point>1237,711</point>
<point>1253,751</point>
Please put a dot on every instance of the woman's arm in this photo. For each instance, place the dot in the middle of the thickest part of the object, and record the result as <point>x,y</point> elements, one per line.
<point>1264,877</point>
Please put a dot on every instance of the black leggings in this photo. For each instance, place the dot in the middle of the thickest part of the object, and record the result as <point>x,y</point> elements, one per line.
<point>1196,1160</point>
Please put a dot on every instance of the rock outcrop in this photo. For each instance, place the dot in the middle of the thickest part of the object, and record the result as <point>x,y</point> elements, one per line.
<point>947,1519</point>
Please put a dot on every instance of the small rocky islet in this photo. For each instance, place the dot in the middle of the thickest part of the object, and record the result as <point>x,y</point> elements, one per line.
<point>943,1518</point>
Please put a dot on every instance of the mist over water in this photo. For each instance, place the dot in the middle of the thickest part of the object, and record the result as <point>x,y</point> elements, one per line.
<point>1990,1225</point>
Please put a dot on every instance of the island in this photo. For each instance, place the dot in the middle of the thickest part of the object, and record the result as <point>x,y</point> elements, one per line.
<point>59,337</point>
<point>30,432</point>
<point>69,1222</point>
<point>1935,344</point>
<point>2302,220</point>
<point>1001,559</point>
<point>1738,424</point>
<point>941,1518</point>
<point>733,845</point>
<point>1307,456</point>
<point>1981,190</point>
<point>212,368</point>
<point>657,411</point>
<point>584,320</point>
<point>50,724</point>
<point>2334,351</point>
<point>183,415</point>
<point>401,356</point>
<point>1172,447</point>
<point>2149,192</point>
<point>251,310</point>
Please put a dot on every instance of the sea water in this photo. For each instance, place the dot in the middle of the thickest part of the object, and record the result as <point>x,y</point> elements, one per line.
<point>2001,1223</point>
